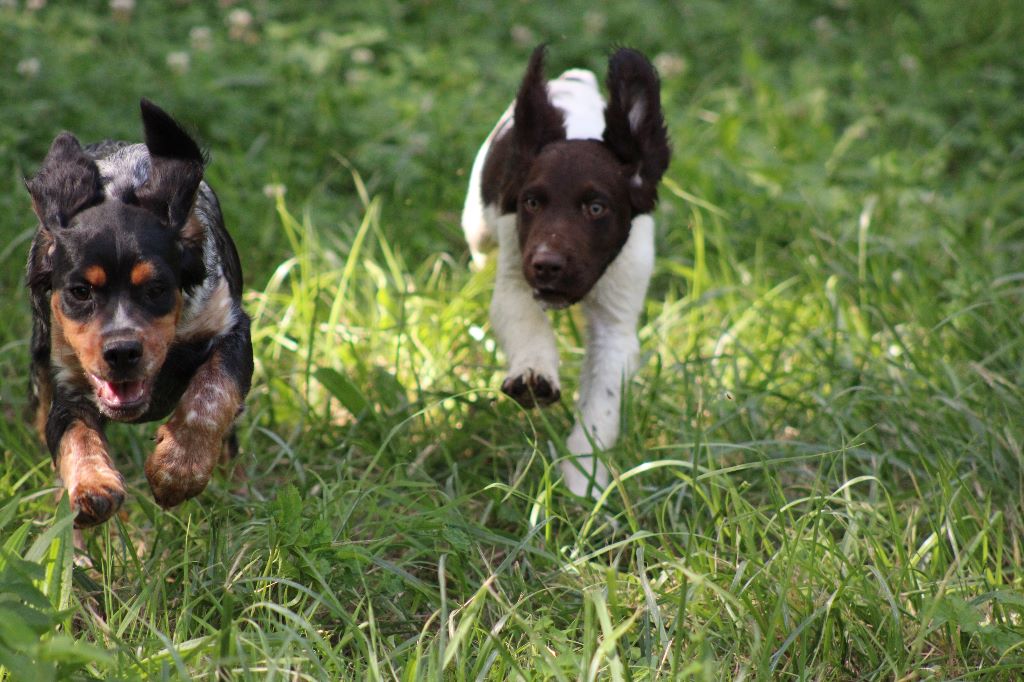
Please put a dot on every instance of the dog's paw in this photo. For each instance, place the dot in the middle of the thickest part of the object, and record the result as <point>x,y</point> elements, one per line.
<point>97,496</point>
<point>531,389</point>
<point>181,465</point>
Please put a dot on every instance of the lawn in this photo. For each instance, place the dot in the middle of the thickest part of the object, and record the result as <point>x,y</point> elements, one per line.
<point>823,456</point>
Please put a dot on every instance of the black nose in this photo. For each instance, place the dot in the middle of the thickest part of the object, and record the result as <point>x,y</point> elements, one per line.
<point>122,355</point>
<point>547,266</point>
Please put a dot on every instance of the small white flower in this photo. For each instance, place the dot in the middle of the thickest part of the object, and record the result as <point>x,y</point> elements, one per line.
<point>909,63</point>
<point>201,38</point>
<point>239,18</point>
<point>669,64</point>
<point>362,55</point>
<point>823,28</point>
<point>522,36</point>
<point>178,62</point>
<point>274,190</point>
<point>29,68</point>
<point>240,24</point>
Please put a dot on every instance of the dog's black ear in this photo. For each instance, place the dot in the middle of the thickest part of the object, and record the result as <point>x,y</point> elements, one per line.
<point>67,183</point>
<point>537,121</point>
<point>176,167</point>
<point>634,125</point>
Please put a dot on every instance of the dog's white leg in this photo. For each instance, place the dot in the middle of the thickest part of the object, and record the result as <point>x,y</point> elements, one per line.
<point>613,310</point>
<point>521,326</point>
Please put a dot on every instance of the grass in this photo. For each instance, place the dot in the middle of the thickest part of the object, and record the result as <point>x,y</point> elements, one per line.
<point>822,472</point>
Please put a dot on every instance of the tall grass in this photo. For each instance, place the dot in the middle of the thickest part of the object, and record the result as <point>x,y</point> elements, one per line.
<point>820,476</point>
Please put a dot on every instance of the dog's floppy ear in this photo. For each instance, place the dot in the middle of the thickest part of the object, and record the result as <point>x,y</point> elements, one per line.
<point>634,125</point>
<point>67,183</point>
<point>537,123</point>
<point>176,167</point>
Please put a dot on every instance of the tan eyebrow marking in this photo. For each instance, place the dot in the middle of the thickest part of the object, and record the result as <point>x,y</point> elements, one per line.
<point>96,275</point>
<point>142,273</point>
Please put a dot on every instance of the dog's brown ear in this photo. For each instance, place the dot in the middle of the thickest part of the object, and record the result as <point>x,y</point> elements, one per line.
<point>67,183</point>
<point>537,123</point>
<point>634,125</point>
<point>176,167</point>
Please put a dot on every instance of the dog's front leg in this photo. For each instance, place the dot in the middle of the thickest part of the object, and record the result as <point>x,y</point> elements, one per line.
<point>190,444</point>
<point>74,434</point>
<point>522,327</point>
<point>613,309</point>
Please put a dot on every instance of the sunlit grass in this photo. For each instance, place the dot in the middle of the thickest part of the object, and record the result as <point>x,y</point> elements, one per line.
<point>821,472</point>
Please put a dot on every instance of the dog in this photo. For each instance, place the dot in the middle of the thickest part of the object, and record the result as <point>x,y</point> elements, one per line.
<point>566,186</point>
<point>135,287</point>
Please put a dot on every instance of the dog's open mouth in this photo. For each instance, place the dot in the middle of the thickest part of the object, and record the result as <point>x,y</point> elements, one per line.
<point>552,299</point>
<point>120,396</point>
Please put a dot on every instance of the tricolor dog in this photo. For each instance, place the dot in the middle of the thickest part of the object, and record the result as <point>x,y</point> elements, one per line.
<point>566,185</point>
<point>136,291</point>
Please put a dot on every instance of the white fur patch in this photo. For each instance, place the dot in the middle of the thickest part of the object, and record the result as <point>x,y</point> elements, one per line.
<point>575,92</point>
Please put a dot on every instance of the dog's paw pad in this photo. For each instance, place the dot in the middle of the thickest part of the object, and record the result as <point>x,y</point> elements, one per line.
<point>530,390</point>
<point>172,494</point>
<point>96,505</point>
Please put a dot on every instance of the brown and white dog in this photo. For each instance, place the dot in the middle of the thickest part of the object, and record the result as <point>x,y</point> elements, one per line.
<point>566,185</point>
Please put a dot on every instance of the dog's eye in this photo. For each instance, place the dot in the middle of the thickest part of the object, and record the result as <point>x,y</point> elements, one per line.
<point>595,209</point>
<point>80,292</point>
<point>531,204</point>
<point>155,291</point>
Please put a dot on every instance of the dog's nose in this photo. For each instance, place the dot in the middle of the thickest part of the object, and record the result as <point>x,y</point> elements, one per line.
<point>547,265</point>
<point>122,355</point>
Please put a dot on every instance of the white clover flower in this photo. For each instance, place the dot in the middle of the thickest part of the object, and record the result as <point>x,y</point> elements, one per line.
<point>669,64</point>
<point>201,38</point>
<point>240,25</point>
<point>522,35</point>
<point>29,68</point>
<point>362,55</point>
<point>274,190</point>
<point>178,62</point>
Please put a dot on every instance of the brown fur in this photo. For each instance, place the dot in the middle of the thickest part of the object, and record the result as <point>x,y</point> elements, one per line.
<point>190,444</point>
<point>142,273</point>
<point>94,486</point>
<point>44,396</point>
<point>96,276</point>
<point>76,345</point>
<point>157,338</point>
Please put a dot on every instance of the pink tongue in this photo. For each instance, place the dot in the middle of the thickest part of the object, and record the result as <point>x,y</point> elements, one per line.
<point>120,393</point>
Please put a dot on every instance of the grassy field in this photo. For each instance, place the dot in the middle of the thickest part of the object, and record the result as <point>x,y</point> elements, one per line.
<point>822,470</point>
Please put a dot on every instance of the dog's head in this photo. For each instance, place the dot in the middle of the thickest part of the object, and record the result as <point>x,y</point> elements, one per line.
<point>575,199</point>
<point>115,269</point>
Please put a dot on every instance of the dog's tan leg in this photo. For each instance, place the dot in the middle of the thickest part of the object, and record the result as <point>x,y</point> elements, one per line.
<point>94,485</point>
<point>189,445</point>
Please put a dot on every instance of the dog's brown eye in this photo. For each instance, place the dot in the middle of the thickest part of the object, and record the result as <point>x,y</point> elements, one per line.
<point>531,204</point>
<point>156,291</point>
<point>595,209</point>
<point>80,292</point>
